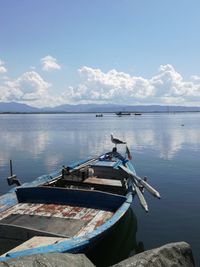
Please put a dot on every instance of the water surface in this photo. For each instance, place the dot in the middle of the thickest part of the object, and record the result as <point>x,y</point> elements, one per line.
<point>165,147</point>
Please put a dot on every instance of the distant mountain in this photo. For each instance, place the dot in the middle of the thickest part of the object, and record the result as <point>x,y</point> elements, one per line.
<point>18,107</point>
<point>85,108</point>
<point>116,108</point>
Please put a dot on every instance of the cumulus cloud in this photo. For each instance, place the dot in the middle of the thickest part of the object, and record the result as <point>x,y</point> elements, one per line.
<point>49,63</point>
<point>112,86</point>
<point>28,87</point>
<point>170,83</point>
<point>2,67</point>
<point>167,87</point>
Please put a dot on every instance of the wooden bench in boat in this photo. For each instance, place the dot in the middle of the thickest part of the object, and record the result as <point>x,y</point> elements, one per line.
<point>114,185</point>
<point>107,185</point>
<point>102,181</point>
<point>14,235</point>
<point>36,241</point>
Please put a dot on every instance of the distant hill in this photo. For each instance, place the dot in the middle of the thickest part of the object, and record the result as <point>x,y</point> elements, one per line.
<point>18,107</point>
<point>86,108</point>
<point>116,108</point>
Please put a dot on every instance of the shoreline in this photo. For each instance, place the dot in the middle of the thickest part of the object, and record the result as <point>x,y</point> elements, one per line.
<point>94,112</point>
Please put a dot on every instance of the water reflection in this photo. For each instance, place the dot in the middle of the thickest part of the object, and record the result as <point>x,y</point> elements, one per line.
<point>167,142</point>
<point>41,144</point>
<point>163,133</point>
<point>49,141</point>
<point>33,143</point>
<point>119,244</point>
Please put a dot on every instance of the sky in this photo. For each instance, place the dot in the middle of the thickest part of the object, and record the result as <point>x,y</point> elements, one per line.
<point>134,52</point>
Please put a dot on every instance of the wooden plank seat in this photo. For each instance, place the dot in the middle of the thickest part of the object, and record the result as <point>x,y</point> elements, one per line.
<point>14,235</point>
<point>102,181</point>
<point>35,242</point>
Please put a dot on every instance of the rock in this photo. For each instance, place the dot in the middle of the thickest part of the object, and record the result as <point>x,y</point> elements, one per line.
<point>170,255</point>
<point>49,260</point>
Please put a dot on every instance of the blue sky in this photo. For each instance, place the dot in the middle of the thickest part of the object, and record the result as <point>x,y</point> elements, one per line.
<point>128,51</point>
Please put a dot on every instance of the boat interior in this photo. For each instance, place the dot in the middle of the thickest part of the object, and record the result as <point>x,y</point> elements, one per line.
<point>52,215</point>
<point>102,175</point>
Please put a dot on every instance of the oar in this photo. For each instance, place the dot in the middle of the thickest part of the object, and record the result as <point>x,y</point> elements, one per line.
<point>84,164</point>
<point>140,197</point>
<point>149,188</point>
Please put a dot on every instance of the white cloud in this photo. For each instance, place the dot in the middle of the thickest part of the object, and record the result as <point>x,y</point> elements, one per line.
<point>28,87</point>
<point>170,83</point>
<point>112,86</point>
<point>2,68</point>
<point>167,87</point>
<point>49,63</point>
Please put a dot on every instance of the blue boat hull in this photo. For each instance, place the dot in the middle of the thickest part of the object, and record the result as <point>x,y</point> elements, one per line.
<point>34,192</point>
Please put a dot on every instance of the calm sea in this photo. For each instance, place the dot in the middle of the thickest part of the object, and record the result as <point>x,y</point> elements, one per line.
<point>165,148</point>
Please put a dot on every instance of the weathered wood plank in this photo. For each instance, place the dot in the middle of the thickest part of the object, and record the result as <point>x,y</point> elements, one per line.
<point>35,242</point>
<point>101,181</point>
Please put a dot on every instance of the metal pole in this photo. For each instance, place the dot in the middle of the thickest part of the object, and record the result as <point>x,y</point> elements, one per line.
<point>11,171</point>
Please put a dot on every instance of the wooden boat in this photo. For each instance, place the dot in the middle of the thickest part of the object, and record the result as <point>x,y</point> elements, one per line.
<point>68,210</point>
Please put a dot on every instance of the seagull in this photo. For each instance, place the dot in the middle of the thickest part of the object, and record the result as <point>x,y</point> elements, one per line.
<point>116,141</point>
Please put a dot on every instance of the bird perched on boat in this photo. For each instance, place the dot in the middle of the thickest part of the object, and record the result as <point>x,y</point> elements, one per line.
<point>116,141</point>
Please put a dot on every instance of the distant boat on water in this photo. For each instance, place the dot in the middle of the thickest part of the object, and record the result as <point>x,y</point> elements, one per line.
<point>121,113</point>
<point>99,115</point>
<point>138,114</point>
